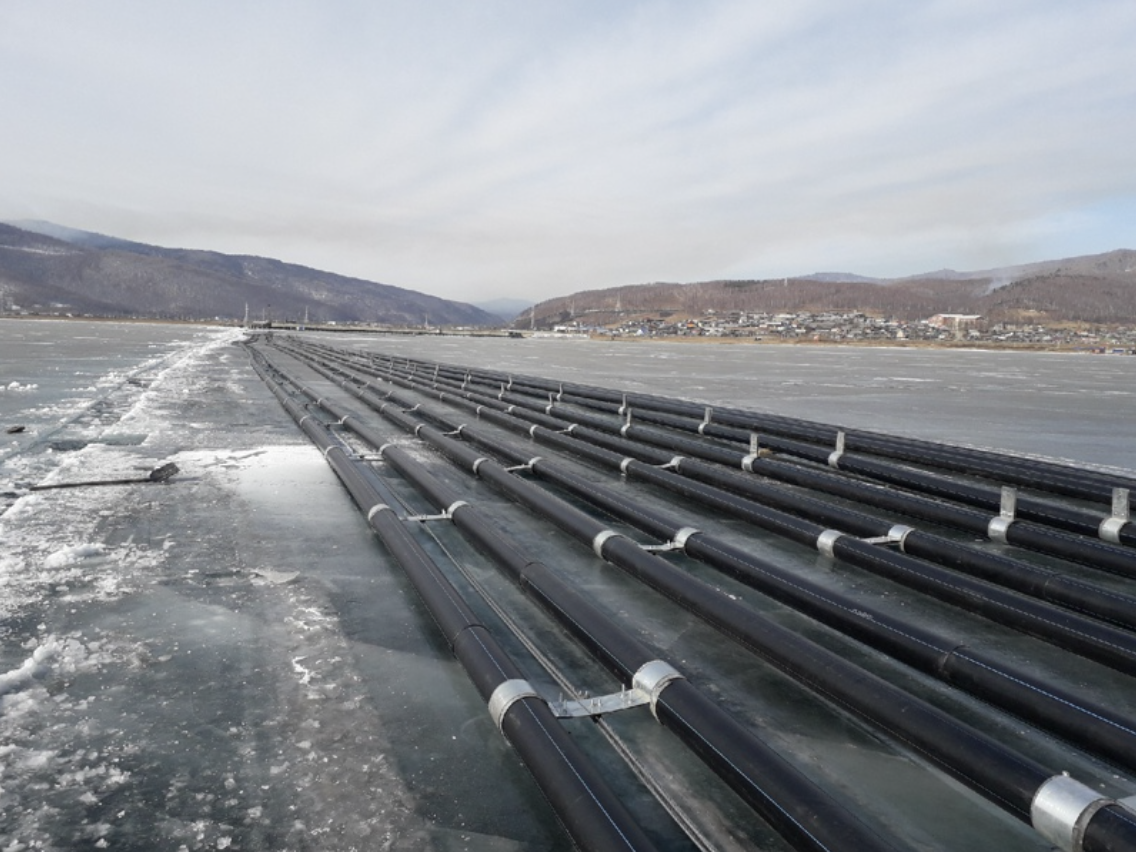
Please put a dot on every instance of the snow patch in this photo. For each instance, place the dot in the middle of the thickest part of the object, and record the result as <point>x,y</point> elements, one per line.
<point>73,554</point>
<point>16,387</point>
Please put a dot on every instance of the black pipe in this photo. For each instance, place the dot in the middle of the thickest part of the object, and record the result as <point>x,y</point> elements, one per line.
<point>591,813</point>
<point>1005,777</point>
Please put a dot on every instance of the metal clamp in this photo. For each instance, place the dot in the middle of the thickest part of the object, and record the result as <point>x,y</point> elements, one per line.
<point>834,456</point>
<point>1062,808</point>
<point>705,420</point>
<point>447,513</point>
<point>997,528</point>
<point>676,543</point>
<point>652,678</point>
<point>600,538</point>
<point>896,535</point>
<point>378,507</point>
<point>826,540</point>
<point>673,464</point>
<point>1110,527</point>
<point>646,686</point>
<point>755,452</point>
<point>506,695</point>
<point>526,466</point>
<point>600,704</point>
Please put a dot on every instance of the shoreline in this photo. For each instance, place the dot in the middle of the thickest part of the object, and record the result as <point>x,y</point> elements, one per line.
<point>505,333</point>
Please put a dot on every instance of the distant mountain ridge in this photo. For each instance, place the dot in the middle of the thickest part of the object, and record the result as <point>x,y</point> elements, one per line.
<point>48,268</point>
<point>1099,288</point>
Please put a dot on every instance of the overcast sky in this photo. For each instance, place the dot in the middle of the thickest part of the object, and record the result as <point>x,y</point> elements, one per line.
<point>476,149</point>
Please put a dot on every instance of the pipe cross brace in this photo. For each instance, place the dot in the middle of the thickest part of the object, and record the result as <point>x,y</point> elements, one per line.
<point>444,516</point>
<point>676,543</point>
<point>646,686</point>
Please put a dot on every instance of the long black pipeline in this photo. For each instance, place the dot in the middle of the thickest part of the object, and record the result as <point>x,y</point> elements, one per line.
<point>794,806</point>
<point>1095,728</point>
<point>1078,595</point>
<point>1038,473</point>
<point>592,814</point>
<point>1082,635</point>
<point>1029,531</point>
<point>1033,535</point>
<point>1033,527</point>
<point>1071,519</point>
<point>1011,780</point>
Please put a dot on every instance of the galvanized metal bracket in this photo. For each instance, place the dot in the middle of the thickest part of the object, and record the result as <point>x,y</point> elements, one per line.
<point>568,708</point>
<point>834,456</point>
<point>676,543</point>
<point>705,420</point>
<point>999,525</point>
<point>506,695</point>
<point>1061,810</point>
<point>755,452</point>
<point>527,466</point>
<point>826,540</point>
<point>626,422</point>
<point>896,535</point>
<point>1109,529</point>
<point>444,516</point>
<point>647,685</point>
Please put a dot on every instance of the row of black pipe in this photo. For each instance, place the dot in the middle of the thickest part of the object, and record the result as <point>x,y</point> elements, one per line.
<point>1092,726</point>
<point>592,814</point>
<point>1035,473</point>
<point>797,808</point>
<point>1024,577</point>
<point>1072,630</point>
<point>999,773</point>
<point>1035,515</point>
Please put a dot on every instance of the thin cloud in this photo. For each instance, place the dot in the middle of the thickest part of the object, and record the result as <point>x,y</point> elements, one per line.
<point>478,150</point>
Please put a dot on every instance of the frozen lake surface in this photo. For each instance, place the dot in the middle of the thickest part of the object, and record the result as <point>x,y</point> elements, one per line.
<point>227,661</point>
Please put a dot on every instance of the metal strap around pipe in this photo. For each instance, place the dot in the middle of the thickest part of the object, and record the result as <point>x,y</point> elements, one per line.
<point>507,694</point>
<point>1062,808</point>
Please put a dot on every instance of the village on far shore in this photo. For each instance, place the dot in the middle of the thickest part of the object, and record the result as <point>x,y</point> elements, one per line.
<point>859,327</point>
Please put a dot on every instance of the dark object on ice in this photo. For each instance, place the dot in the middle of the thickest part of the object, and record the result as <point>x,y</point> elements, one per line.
<point>68,445</point>
<point>15,430</point>
<point>158,474</point>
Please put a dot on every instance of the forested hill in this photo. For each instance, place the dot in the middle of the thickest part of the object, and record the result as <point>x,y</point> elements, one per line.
<point>1095,289</point>
<point>93,274</point>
